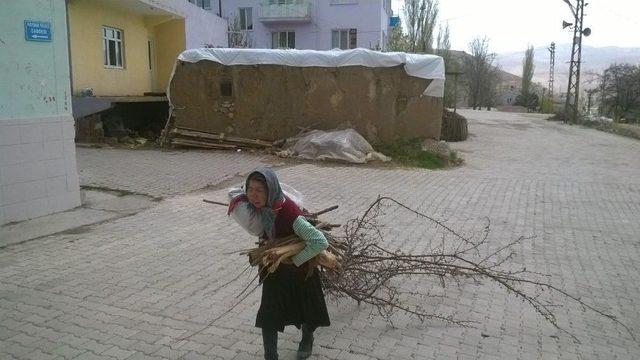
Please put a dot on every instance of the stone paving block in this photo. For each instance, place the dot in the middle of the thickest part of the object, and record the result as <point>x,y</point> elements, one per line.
<point>169,353</point>
<point>193,346</point>
<point>142,356</point>
<point>96,347</point>
<point>192,355</point>
<point>162,173</point>
<point>146,348</point>
<point>45,345</point>
<point>72,340</point>
<point>67,351</point>
<point>118,352</point>
<point>39,355</point>
<point>221,352</point>
<point>6,333</point>
<point>23,339</point>
<point>120,342</point>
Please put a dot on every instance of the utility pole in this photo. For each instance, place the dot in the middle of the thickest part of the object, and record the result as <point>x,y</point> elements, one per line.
<point>552,64</point>
<point>573,89</point>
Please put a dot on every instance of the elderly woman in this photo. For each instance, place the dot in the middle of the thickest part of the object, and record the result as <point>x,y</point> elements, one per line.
<point>289,297</point>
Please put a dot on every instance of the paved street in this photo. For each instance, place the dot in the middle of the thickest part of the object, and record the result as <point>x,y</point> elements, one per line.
<point>129,288</point>
<point>161,173</point>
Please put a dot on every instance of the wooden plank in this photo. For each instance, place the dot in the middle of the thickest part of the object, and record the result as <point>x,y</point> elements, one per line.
<point>201,144</point>
<point>221,137</point>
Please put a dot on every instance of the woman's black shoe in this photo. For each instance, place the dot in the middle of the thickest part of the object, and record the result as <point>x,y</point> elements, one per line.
<point>306,344</point>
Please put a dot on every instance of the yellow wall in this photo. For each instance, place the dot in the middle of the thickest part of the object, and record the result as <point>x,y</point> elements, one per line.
<point>86,18</point>
<point>170,42</point>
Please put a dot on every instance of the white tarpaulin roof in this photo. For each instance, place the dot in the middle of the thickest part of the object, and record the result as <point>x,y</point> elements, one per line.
<point>422,66</point>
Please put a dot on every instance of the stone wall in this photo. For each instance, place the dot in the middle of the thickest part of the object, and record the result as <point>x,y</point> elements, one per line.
<point>272,102</point>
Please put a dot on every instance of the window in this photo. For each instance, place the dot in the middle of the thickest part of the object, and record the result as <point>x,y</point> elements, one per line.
<point>113,49</point>
<point>226,88</point>
<point>284,2</point>
<point>283,40</point>
<point>343,2</point>
<point>246,19</point>
<point>205,4</point>
<point>344,39</point>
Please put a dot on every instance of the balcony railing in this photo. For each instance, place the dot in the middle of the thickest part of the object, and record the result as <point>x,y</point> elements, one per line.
<point>285,11</point>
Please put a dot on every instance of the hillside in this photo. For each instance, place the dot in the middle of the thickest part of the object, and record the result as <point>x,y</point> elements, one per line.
<point>594,60</point>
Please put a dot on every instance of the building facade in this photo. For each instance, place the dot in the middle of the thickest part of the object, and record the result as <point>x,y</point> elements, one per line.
<point>129,47</point>
<point>308,24</point>
<point>38,173</point>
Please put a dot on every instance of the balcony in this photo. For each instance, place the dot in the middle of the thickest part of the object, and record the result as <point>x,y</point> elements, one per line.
<point>278,11</point>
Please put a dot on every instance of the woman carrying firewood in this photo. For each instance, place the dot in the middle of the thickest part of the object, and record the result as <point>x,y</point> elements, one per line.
<point>289,296</point>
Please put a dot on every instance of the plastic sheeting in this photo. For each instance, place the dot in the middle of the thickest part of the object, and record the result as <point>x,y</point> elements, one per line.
<point>422,66</point>
<point>345,145</point>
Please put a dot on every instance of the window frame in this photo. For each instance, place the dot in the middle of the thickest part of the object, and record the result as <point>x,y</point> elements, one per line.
<point>287,39</point>
<point>343,2</point>
<point>202,4</point>
<point>118,47</point>
<point>285,2</point>
<point>248,20</point>
<point>347,38</point>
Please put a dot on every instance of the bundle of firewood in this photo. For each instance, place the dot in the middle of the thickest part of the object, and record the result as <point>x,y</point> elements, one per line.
<point>271,255</point>
<point>358,265</point>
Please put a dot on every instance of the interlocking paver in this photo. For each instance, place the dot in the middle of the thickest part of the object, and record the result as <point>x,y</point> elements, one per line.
<point>162,173</point>
<point>133,286</point>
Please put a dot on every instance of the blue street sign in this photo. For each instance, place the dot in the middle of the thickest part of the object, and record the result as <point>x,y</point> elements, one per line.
<point>394,21</point>
<point>37,30</point>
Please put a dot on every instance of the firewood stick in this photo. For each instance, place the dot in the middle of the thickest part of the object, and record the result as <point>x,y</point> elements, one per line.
<point>324,211</point>
<point>215,202</point>
<point>316,214</point>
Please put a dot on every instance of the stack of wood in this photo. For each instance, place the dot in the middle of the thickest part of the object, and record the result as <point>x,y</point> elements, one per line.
<point>454,127</point>
<point>268,257</point>
<point>200,139</point>
<point>358,265</point>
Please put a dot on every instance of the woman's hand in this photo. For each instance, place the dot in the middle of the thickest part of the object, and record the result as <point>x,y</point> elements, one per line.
<point>263,242</point>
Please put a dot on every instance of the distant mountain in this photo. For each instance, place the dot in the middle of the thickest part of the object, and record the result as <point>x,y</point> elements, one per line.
<point>594,60</point>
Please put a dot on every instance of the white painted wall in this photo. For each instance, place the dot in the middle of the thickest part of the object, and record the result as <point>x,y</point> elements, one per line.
<point>202,26</point>
<point>38,173</point>
<point>368,16</point>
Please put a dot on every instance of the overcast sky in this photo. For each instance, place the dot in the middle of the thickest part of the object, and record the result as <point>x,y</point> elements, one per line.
<point>513,24</point>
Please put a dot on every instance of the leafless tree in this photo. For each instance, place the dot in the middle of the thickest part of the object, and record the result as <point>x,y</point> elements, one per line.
<point>620,86</point>
<point>481,74</point>
<point>238,38</point>
<point>443,49</point>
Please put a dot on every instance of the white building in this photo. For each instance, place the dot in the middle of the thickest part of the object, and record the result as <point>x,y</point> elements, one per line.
<point>309,24</point>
